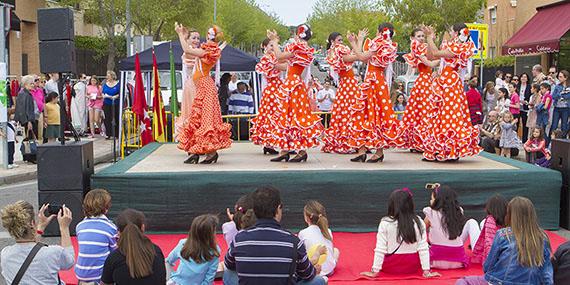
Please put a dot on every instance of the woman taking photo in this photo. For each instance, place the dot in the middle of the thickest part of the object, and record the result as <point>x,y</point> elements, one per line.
<point>110,92</point>
<point>452,135</point>
<point>205,132</point>
<point>20,221</point>
<point>137,260</point>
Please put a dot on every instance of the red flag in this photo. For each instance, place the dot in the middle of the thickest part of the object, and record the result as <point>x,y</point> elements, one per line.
<point>140,108</point>
<point>159,114</point>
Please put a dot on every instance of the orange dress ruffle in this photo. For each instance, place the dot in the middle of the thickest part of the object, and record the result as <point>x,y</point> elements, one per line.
<point>261,124</point>
<point>415,118</point>
<point>336,137</point>
<point>205,132</point>
<point>451,134</point>
<point>188,95</point>
<point>373,123</point>
<point>294,126</point>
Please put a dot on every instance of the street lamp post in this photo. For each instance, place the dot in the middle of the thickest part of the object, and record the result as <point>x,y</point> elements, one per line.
<point>215,10</point>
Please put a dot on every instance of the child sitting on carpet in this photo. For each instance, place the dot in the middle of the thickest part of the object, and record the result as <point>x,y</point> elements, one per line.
<point>243,218</point>
<point>401,243</point>
<point>496,210</point>
<point>96,235</point>
<point>318,234</point>
<point>198,254</point>
<point>520,253</point>
<point>448,230</point>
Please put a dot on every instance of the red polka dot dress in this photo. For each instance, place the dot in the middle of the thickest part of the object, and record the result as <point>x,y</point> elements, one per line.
<point>336,138</point>
<point>450,133</point>
<point>261,124</point>
<point>415,117</point>
<point>373,124</point>
<point>294,126</point>
<point>205,131</point>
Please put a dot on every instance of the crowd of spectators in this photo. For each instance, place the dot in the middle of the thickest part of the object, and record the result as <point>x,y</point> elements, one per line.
<point>508,242</point>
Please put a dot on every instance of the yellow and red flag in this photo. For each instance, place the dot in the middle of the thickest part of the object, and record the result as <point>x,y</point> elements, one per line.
<point>159,114</point>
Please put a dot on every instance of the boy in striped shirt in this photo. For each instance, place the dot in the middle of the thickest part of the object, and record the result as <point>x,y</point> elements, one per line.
<point>96,236</point>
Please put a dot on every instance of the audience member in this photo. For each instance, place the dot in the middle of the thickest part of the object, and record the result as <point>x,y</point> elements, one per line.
<point>52,117</point>
<point>401,242</point>
<point>535,147</point>
<point>318,234</point>
<point>52,85</point>
<point>400,105</point>
<point>233,83</point>
<point>561,264</point>
<point>509,138</point>
<point>508,78</point>
<point>499,82</point>
<point>552,76</point>
<point>46,261</point>
<point>224,92</point>
<point>490,133</point>
<point>326,97</point>
<point>245,253</point>
<point>543,109</point>
<point>490,97</point>
<point>38,93</point>
<point>79,105</point>
<point>448,230</point>
<point>241,102</point>
<point>534,100</point>
<point>515,104</point>
<point>496,210</point>
<point>503,101</point>
<point>110,91</point>
<point>537,76</point>
<point>27,112</point>
<point>198,254</point>
<point>475,103</point>
<point>561,102</point>
<point>96,236</point>
<point>520,253</point>
<point>241,219</point>
<point>11,138</point>
<point>137,260</point>
<point>95,104</point>
<point>525,92</point>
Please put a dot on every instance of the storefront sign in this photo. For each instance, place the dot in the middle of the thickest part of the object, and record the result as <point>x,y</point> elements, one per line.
<point>532,49</point>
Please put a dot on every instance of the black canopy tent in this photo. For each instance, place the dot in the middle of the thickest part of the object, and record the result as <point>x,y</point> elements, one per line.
<point>232,59</point>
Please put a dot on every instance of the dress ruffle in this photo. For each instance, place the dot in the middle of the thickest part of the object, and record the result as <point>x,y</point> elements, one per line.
<point>334,58</point>
<point>205,132</point>
<point>213,52</point>
<point>303,54</point>
<point>417,50</point>
<point>266,66</point>
<point>293,125</point>
<point>261,125</point>
<point>385,51</point>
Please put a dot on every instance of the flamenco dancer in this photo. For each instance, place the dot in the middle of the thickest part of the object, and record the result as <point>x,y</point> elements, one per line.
<point>271,70</point>
<point>451,134</point>
<point>188,39</point>
<point>415,118</point>
<point>340,57</point>
<point>294,126</point>
<point>205,132</point>
<point>373,125</point>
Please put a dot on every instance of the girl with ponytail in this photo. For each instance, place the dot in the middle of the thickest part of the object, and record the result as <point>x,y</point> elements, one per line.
<point>137,260</point>
<point>242,218</point>
<point>317,235</point>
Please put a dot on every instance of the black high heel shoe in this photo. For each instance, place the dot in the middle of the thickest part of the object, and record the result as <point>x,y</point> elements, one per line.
<point>193,159</point>
<point>360,158</point>
<point>267,150</point>
<point>299,158</point>
<point>379,159</point>
<point>210,160</point>
<point>280,158</point>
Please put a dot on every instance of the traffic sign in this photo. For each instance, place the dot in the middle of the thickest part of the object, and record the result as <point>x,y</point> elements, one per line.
<point>479,36</point>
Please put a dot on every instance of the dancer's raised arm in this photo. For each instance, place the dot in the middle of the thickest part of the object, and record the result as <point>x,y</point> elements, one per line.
<point>182,35</point>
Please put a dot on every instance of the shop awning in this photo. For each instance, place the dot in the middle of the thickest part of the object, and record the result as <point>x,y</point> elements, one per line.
<point>542,33</point>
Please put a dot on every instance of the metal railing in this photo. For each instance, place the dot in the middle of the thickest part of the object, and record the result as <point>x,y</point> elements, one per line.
<point>130,137</point>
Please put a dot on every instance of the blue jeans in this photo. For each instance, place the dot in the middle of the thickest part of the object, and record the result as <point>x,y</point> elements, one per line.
<point>560,114</point>
<point>231,278</point>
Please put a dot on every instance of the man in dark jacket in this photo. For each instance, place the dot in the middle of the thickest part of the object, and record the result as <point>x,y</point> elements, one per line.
<point>25,106</point>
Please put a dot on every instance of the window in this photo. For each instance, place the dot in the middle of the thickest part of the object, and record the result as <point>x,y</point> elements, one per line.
<point>493,14</point>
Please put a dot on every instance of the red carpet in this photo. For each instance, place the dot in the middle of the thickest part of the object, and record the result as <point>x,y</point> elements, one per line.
<point>356,255</point>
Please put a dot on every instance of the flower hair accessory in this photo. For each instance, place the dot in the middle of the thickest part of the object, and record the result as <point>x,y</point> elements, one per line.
<point>407,190</point>
<point>302,31</point>
<point>386,34</point>
<point>464,34</point>
<point>212,33</point>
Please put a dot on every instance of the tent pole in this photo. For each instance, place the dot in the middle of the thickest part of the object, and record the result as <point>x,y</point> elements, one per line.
<point>121,104</point>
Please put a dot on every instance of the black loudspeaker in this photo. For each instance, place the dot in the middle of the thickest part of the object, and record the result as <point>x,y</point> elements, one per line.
<point>55,24</point>
<point>71,199</point>
<point>561,162</point>
<point>65,167</point>
<point>57,56</point>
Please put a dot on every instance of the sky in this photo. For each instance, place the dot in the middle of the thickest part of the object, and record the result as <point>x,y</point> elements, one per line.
<point>291,12</point>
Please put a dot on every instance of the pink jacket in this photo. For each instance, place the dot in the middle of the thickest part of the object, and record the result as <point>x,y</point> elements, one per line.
<point>485,241</point>
<point>535,145</point>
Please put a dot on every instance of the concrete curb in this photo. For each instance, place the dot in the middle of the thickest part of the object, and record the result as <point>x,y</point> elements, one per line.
<point>33,174</point>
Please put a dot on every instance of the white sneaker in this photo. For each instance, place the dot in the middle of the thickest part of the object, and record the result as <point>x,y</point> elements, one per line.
<point>15,165</point>
<point>10,166</point>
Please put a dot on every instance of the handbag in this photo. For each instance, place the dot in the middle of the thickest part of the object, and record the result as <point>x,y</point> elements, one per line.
<point>29,146</point>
